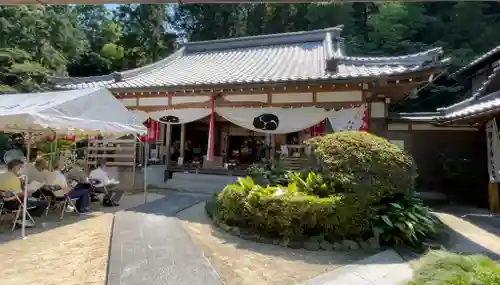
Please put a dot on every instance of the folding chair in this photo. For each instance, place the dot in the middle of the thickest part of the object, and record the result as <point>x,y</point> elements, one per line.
<point>10,194</point>
<point>63,201</point>
<point>94,183</point>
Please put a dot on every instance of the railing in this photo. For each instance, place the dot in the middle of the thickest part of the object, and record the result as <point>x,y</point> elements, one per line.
<point>295,150</point>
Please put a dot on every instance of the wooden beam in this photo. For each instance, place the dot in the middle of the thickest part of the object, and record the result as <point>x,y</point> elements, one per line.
<point>291,87</point>
<point>493,197</point>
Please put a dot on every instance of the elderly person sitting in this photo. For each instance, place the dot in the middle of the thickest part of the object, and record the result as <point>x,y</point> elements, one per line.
<point>81,194</point>
<point>78,175</point>
<point>112,195</point>
<point>10,181</point>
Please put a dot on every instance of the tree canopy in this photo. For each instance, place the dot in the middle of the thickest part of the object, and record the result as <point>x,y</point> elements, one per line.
<point>37,41</point>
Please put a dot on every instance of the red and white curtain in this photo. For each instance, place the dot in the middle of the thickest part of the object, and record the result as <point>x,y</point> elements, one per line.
<point>349,119</point>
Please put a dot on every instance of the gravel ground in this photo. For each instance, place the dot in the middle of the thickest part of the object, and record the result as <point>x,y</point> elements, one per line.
<point>242,262</point>
<point>72,251</point>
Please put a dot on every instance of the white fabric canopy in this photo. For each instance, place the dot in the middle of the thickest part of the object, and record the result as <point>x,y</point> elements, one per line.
<point>347,118</point>
<point>75,111</point>
<point>180,116</point>
<point>273,120</point>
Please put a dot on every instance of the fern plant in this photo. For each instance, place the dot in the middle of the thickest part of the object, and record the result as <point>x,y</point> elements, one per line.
<point>405,221</point>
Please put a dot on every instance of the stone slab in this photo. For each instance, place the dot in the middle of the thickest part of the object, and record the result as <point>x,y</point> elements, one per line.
<point>387,266</point>
<point>149,246</point>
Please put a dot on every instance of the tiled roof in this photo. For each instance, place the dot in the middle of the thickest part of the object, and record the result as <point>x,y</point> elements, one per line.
<point>298,56</point>
<point>478,61</point>
<point>479,102</point>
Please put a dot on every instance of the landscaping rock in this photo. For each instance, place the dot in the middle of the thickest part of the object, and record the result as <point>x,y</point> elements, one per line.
<point>338,246</point>
<point>235,231</point>
<point>295,244</point>
<point>326,245</point>
<point>225,227</point>
<point>374,243</point>
<point>350,244</point>
<point>364,244</point>
<point>312,245</point>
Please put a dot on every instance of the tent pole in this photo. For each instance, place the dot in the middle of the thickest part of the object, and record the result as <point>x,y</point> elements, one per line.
<point>54,155</point>
<point>25,198</point>
<point>145,172</point>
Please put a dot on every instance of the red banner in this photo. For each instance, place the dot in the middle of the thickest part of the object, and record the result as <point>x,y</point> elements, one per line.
<point>153,131</point>
<point>317,130</point>
<point>364,126</point>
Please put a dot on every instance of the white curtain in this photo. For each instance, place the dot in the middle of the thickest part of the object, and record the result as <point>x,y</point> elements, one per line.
<point>180,116</point>
<point>273,120</point>
<point>347,118</point>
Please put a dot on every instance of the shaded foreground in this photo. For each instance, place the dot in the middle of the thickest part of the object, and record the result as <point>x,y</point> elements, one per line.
<point>246,262</point>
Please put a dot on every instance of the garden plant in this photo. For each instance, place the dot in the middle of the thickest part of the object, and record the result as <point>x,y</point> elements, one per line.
<point>446,268</point>
<point>362,189</point>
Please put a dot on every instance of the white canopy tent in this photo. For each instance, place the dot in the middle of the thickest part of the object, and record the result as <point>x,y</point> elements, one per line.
<point>87,111</point>
<point>72,111</point>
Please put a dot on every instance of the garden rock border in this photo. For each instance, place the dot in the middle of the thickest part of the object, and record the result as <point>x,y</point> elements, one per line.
<point>313,243</point>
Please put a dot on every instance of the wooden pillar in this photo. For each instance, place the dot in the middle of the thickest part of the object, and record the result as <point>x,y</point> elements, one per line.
<point>273,147</point>
<point>161,146</point>
<point>493,197</point>
<point>182,148</point>
<point>211,133</point>
<point>168,130</point>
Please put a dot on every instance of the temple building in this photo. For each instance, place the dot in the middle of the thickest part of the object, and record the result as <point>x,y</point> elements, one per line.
<point>250,99</point>
<point>478,162</point>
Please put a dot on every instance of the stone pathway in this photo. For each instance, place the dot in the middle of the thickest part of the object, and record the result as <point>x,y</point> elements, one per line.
<point>385,268</point>
<point>149,246</point>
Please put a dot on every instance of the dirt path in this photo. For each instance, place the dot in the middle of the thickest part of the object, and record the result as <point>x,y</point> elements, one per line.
<point>241,262</point>
<point>73,254</point>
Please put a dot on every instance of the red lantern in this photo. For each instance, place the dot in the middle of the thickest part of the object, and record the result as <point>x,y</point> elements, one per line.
<point>70,138</point>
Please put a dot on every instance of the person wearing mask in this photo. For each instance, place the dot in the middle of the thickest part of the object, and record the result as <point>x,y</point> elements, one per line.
<point>113,196</point>
<point>11,181</point>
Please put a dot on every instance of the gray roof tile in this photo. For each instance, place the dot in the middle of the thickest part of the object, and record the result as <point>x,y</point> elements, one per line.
<point>481,59</point>
<point>299,56</point>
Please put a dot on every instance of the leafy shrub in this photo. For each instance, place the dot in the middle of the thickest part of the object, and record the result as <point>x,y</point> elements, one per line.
<point>312,183</point>
<point>268,174</point>
<point>445,268</point>
<point>405,221</point>
<point>362,162</point>
<point>287,212</point>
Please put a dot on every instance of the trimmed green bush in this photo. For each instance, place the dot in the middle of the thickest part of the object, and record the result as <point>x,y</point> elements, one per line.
<point>445,268</point>
<point>287,212</point>
<point>360,161</point>
<point>345,198</point>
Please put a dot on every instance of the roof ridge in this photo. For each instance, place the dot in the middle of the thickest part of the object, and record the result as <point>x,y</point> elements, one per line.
<point>337,28</point>
<point>477,95</point>
<point>437,50</point>
<point>263,40</point>
<point>476,61</point>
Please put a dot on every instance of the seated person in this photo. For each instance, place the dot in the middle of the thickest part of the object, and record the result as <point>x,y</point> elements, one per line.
<point>10,181</point>
<point>113,197</point>
<point>82,194</point>
<point>78,175</point>
<point>37,171</point>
